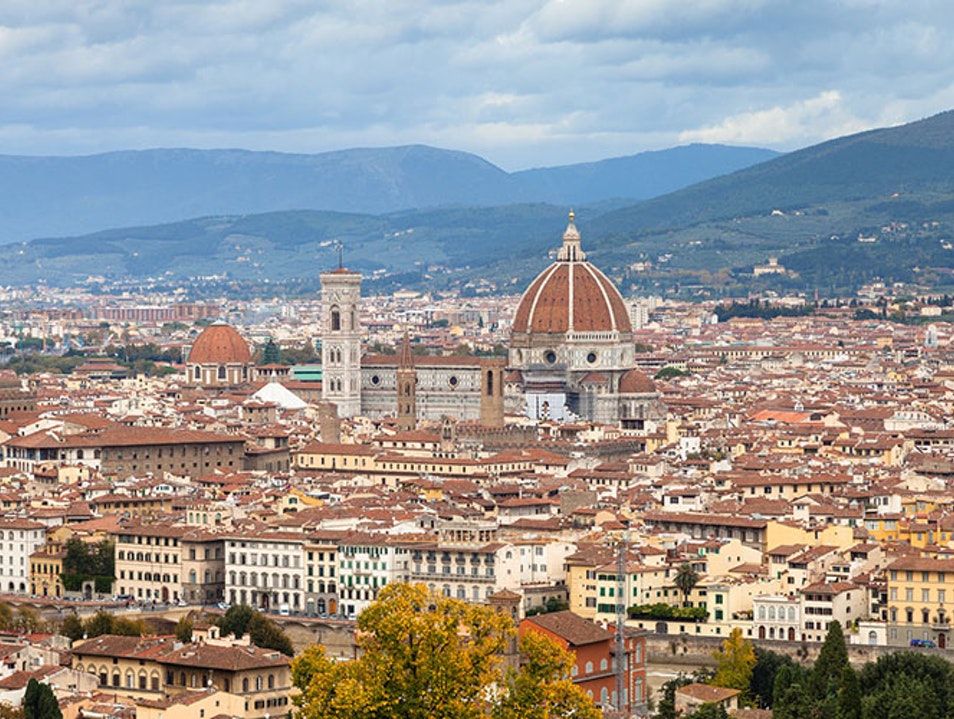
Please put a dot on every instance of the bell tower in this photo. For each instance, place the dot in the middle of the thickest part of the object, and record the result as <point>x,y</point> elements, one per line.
<point>341,340</point>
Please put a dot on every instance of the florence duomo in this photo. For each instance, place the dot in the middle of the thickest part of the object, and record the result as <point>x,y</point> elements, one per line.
<point>571,351</point>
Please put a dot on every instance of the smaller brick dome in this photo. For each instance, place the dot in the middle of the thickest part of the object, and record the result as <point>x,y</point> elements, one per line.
<point>636,382</point>
<point>219,343</point>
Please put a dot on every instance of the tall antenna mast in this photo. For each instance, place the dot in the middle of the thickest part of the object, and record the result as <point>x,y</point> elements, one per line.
<point>621,659</point>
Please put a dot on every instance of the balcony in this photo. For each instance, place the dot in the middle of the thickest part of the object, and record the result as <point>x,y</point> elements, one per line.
<point>941,624</point>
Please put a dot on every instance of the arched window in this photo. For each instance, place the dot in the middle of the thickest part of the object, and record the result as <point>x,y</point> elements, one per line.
<point>588,669</point>
<point>271,681</point>
<point>258,684</point>
<point>335,318</point>
<point>245,684</point>
<point>221,372</point>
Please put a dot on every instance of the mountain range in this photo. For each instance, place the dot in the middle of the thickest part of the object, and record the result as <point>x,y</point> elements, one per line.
<point>878,204</point>
<point>58,196</point>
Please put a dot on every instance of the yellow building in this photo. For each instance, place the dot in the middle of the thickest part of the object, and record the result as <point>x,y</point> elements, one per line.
<point>46,566</point>
<point>920,590</point>
<point>149,562</point>
<point>156,669</point>
<point>189,705</point>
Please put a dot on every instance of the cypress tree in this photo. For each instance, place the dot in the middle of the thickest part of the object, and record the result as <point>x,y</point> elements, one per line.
<point>849,698</point>
<point>830,666</point>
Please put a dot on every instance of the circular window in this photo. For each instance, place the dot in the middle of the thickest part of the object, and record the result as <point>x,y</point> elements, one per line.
<point>375,380</point>
<point>453,380</point>
<point>550,357</point>
<point>591,357</point>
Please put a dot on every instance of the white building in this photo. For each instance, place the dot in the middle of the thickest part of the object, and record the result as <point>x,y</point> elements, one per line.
<point>776,616</point>
<point>265,571</point>
<point>20,538</point>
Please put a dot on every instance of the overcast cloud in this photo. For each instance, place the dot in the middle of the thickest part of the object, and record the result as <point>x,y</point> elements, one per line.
<point>523,83</point>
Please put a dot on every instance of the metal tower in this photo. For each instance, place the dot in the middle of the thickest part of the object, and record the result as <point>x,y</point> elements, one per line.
<point>621,659</point>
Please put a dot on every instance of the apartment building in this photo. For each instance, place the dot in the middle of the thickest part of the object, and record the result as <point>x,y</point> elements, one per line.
<point>149,562</point>
<point>918,593</point>
<point>265,570</point>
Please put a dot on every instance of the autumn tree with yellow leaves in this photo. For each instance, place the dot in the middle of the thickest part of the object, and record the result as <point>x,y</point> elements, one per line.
<point>426,656</point>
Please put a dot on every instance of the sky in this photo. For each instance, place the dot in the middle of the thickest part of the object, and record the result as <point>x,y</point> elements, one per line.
<point>522,83</point>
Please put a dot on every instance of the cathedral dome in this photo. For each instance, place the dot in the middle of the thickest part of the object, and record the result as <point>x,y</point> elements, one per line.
<point>571,295</point>
<point>220,344</point>
<point>636,382</point>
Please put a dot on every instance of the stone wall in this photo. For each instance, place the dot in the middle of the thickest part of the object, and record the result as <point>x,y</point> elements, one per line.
<point>689,650</point>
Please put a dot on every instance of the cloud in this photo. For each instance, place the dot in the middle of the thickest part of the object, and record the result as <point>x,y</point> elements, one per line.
<point>822,116</point>
<point>521,82</point>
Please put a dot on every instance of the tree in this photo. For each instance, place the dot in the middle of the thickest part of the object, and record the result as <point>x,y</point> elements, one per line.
<point>426,656</point>
<point>849,699</point>
<point>735,662</point>
<point>184,629</point>
<point>98,624</point>
<point>10,712</point>
<point>790,698</point>
<point>271,353</point>
<point>685,580</point>
<point>884,684</point>
<point>829,670</point>
<point>235,620</point>
<point>39,702</point>
<point>267,634</point>
<point>88,561</point>
<point>261,630</point>
<point>105,623</point>
<point>72,626</point>
<point>767,666</point>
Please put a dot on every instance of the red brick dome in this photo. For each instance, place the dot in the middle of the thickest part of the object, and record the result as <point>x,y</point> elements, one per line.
<point>571,295</point>
<point>636,382</point>
<point>219,343</point>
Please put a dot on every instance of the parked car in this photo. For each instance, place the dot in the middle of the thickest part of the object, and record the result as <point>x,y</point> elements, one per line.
<point>926,643</point>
